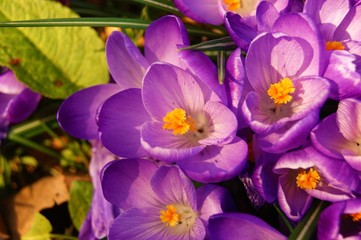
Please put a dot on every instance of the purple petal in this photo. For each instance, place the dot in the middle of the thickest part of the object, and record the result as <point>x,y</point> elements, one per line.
<point>241,33</point>
<point>352,160</point>
<point>348,119</point>
<point>266,16</point>
<point>77,114</point>
<point>223,124</point>
<point>349,28</point>
<point>306,29</point>
<point>126,64</point>
<point>167,51</point>
<point>126,183</point>
<point>341,72</point>
<point>205,72</point>
<point>213,199</point>
<point>233,226</point>
<point>9,84</point>
<point>327,14</point>
<point>86,230</point>
<point>167,87</point>
<point>327,138</point>
<point>119,120</point>
<point>173,187</point>
<point>292,135</point>
<point>145,224</point>
<point>164,145</point>
<point>215,164</point>
<point>204,11</point>
<point>328,225</point>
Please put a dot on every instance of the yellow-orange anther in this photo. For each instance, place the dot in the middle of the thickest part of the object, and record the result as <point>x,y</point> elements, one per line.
<point>280,91</point>
<point>356,216</point>
<point>170,217</point>
<point>334,45</point>
<point>178,121</point>
<point>308,180</point>
<point>233,5</point>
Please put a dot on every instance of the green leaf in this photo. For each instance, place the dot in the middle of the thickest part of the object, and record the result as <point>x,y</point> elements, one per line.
<point>52,61</point>
<point>221,44</point>
<point>307,227</point>
<point>81,193</point>
<point>40,229</point>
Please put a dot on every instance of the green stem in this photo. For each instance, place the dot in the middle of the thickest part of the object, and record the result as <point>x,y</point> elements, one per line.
<point>284,218</point>
<point>33,145</point>
<point>60,236</point>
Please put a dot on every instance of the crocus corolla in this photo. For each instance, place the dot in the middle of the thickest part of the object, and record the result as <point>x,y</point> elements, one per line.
<point>341,220</point>
<point>17,101</point>
<point>306,173</point>
<point>158,202</point>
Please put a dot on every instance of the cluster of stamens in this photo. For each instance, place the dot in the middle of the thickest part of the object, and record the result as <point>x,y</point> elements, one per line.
<point>308,179</point>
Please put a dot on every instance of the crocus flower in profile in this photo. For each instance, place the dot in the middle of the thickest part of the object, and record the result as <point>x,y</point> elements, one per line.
<point>234,226</point>
<point>306,173</point>
<point>341,37</point>
<point>212,11</point>
<point>178,124</point>
<point>339,134</point>
<point>17,101</point>
<point>341,220</point>
<point>158,202</point>
<point>287,93</point>
<point>101,213</point>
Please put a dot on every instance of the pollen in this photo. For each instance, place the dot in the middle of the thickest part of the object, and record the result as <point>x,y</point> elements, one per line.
<point>308,180</point>
<point>356,216</point>
<point>280,91</point>
<point>233,5</point>
<point>334,45</point>
<point>170,217</point>
<point>178,121</point>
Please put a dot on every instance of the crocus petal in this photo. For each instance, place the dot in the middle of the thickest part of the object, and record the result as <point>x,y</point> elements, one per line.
<point>327,138</point>
<point>86,231</point>
<point>9,84</point>
<point>166,87</point>
<point>348,119</point>
<point>168,50</point>
<point>126,183</point>
<point>306,29</point>
<point>349,27</point>
<point>223,124</point>
<point>145,224</point>
<point>241,33</point>
<point>215,164</point>
<point>352,160</point>
<point>328,225</point>
<point>281,56</point>
<point>77,114</point>
<point>290,136</point>
<point>23,105</point>
<point>266,16</point>
<point>341,72</point>
<point>119,123</point>
<point>327,14</point>
<point>164,145</point>
<point>205,11</point>
<point>213,199</point>
<point>177,188</point>
<point>233,226</point>
<point>205,72</point>
<point>126,63</point>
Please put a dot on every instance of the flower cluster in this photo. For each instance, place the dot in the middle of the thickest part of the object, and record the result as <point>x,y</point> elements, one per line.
<point>170,122</point>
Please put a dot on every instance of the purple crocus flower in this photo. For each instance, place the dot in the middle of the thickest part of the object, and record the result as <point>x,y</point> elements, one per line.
<point>339,135</point>
<point>17,101</point>
<point>306,173</point>
<point>341,34</point>
<point>101,213</point>
<point>158,202</point>
<point>212,11</point>
<point>287,93</point>
<point>233,226</point>
<point>341,220</point>
<point>178,124</point>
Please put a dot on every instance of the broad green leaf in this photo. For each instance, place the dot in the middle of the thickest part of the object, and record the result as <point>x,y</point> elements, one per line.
<point>81,193</point>
<point>40,229</point>
<point>54,61</point>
